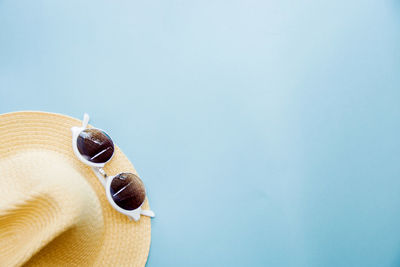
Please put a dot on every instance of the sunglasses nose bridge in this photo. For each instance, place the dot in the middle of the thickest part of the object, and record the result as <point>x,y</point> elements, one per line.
<point>101,175</point>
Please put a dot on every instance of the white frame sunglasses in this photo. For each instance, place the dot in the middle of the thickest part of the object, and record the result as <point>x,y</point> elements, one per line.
<point>104,179</point>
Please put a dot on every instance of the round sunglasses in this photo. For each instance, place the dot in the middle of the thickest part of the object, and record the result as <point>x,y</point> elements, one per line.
<point>125,191</point>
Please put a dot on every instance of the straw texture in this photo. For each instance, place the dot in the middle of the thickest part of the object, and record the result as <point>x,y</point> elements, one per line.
<point>53,210</point>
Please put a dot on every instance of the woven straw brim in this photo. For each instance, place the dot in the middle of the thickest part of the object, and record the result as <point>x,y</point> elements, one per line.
<point>123,242</point>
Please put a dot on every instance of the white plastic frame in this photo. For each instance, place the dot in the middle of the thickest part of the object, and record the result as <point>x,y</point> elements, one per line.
<point>102,176</point>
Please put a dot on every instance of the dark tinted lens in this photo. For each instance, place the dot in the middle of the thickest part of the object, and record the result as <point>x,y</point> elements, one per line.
<point>127,191</point>
<point>95,145</point>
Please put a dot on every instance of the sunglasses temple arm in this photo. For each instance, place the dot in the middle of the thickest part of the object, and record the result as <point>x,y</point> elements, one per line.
<point>85,120</point>
<point>148,213</point>
<point>101,175</point>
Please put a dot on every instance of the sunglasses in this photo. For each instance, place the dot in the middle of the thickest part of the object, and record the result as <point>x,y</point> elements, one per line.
<point>125,191</point>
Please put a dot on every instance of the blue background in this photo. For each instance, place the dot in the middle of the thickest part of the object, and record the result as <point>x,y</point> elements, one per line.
<point>267,132</point>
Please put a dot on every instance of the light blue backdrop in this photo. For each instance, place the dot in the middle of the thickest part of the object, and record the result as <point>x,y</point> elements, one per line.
<point>267,132</point>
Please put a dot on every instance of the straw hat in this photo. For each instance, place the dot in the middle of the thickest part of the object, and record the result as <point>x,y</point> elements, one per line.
<point>53,210</point>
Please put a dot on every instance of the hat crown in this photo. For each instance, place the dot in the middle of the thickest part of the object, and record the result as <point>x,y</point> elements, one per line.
<point>44,201</point>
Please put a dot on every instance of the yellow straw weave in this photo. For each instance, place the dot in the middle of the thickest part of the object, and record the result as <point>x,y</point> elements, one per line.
<point>53,209</point>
